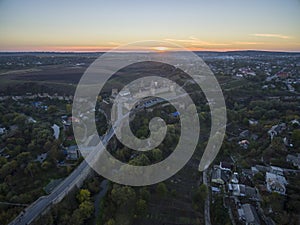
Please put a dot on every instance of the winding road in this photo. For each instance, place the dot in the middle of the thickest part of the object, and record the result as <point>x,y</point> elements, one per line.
<point>43,203</point>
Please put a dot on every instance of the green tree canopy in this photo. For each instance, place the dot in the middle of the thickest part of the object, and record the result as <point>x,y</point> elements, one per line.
<point>161,189</point>
<point>83,195</point>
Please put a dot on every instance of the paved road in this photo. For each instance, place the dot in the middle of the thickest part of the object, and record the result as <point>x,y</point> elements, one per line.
<point>39,206</point>
<point>98,198</point>
<point>207,200</point>
<point>80,173</point>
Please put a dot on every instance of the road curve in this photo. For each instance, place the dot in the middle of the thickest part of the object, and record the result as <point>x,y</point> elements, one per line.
<point>43,203</point>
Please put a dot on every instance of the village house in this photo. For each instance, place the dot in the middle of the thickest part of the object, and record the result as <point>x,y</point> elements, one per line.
<point>72,152</point>
<point>241,190</point>
<point>294,159</point>
<point>41,158</point>
<point>276,170</point>
<point>234,178</point>
<point>287,143</point>
<point>276,183</point>
<point>2,130</point>
<point>56,131</point>
<point>295,122</point>
<point>221,173</point>
<point>225,166</point>
<point>252,122</point>
<point>244,134</point>
<point>244,144</point>
<point>216,176</point>
<point>277,129</point>
<point>248,214</point>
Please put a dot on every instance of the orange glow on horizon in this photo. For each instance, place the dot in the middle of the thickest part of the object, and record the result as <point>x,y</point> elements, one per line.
<point>161,49</point>
<point>157,49</point>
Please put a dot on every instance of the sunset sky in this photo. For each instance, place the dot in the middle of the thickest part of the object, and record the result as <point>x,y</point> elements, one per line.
<point>96,25</point>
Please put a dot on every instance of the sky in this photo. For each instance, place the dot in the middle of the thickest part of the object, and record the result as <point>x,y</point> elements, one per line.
<point>97,25</point>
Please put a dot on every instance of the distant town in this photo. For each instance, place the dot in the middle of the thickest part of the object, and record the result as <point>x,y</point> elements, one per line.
<point>255,178</point>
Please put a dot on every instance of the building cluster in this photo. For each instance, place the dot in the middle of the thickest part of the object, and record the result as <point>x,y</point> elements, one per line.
<point>238,189</point>
<point>294,160</point>
<point>245,199</point>
<point>31,96</point>
<point>276,130</point>
<point>72,152</point>
<point>245,72</point>
<point>275,180</point>
<point>139,96</point>
<point>246,136</point>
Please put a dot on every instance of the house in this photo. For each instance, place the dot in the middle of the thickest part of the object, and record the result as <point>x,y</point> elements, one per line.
<point>215,190</point>
<point>216,176</point>
<point>252,193</point>
<point>295,122</point>
<point>294,159</point>
<point>124,93</point>
<point>41,158</point>
<point>247,72</point>
<point>225,175</point>
<point>2,130</point>
<point>253,122</point>
<point>175,114</point>
<point>73,119</point>
<point>40,105</point>
<point>244,144</point>
<point>237,189</point>
<point>249,173</point>
<point>254,170</point>
<point>220,176</point>
<point>225,166</point>
<point>245,134</point>
<point>37,104</point>
<point>248,214</point>
<point>66,123</point>
<point>64,119</point>
<point>114,94</point>
<point>276,170</point>
<point>276,183</point>
<point>234,178</point>
<point>282,75</point>
<point>73,152</point>
<point>31,120</point>
<point>259,168</point>
<point>56,131</point>
<point>277,129</point>
<point>286,142</point>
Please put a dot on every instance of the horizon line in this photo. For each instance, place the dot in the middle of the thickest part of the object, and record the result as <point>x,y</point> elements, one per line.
<point>144,51</point>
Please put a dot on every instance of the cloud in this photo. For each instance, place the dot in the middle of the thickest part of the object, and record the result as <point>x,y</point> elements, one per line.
<point>195,42</point>
<point>248,43</point>
<point>113,43</point>
<point>280,36</point>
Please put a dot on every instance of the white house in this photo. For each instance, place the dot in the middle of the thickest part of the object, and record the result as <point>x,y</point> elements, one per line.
<point>2,130</point>
<point>225,166</point>
<point>276,170</point>
<point>277,129</point>
<point>276,183</point>
<point>56,131</point>
<point>253,122</point>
